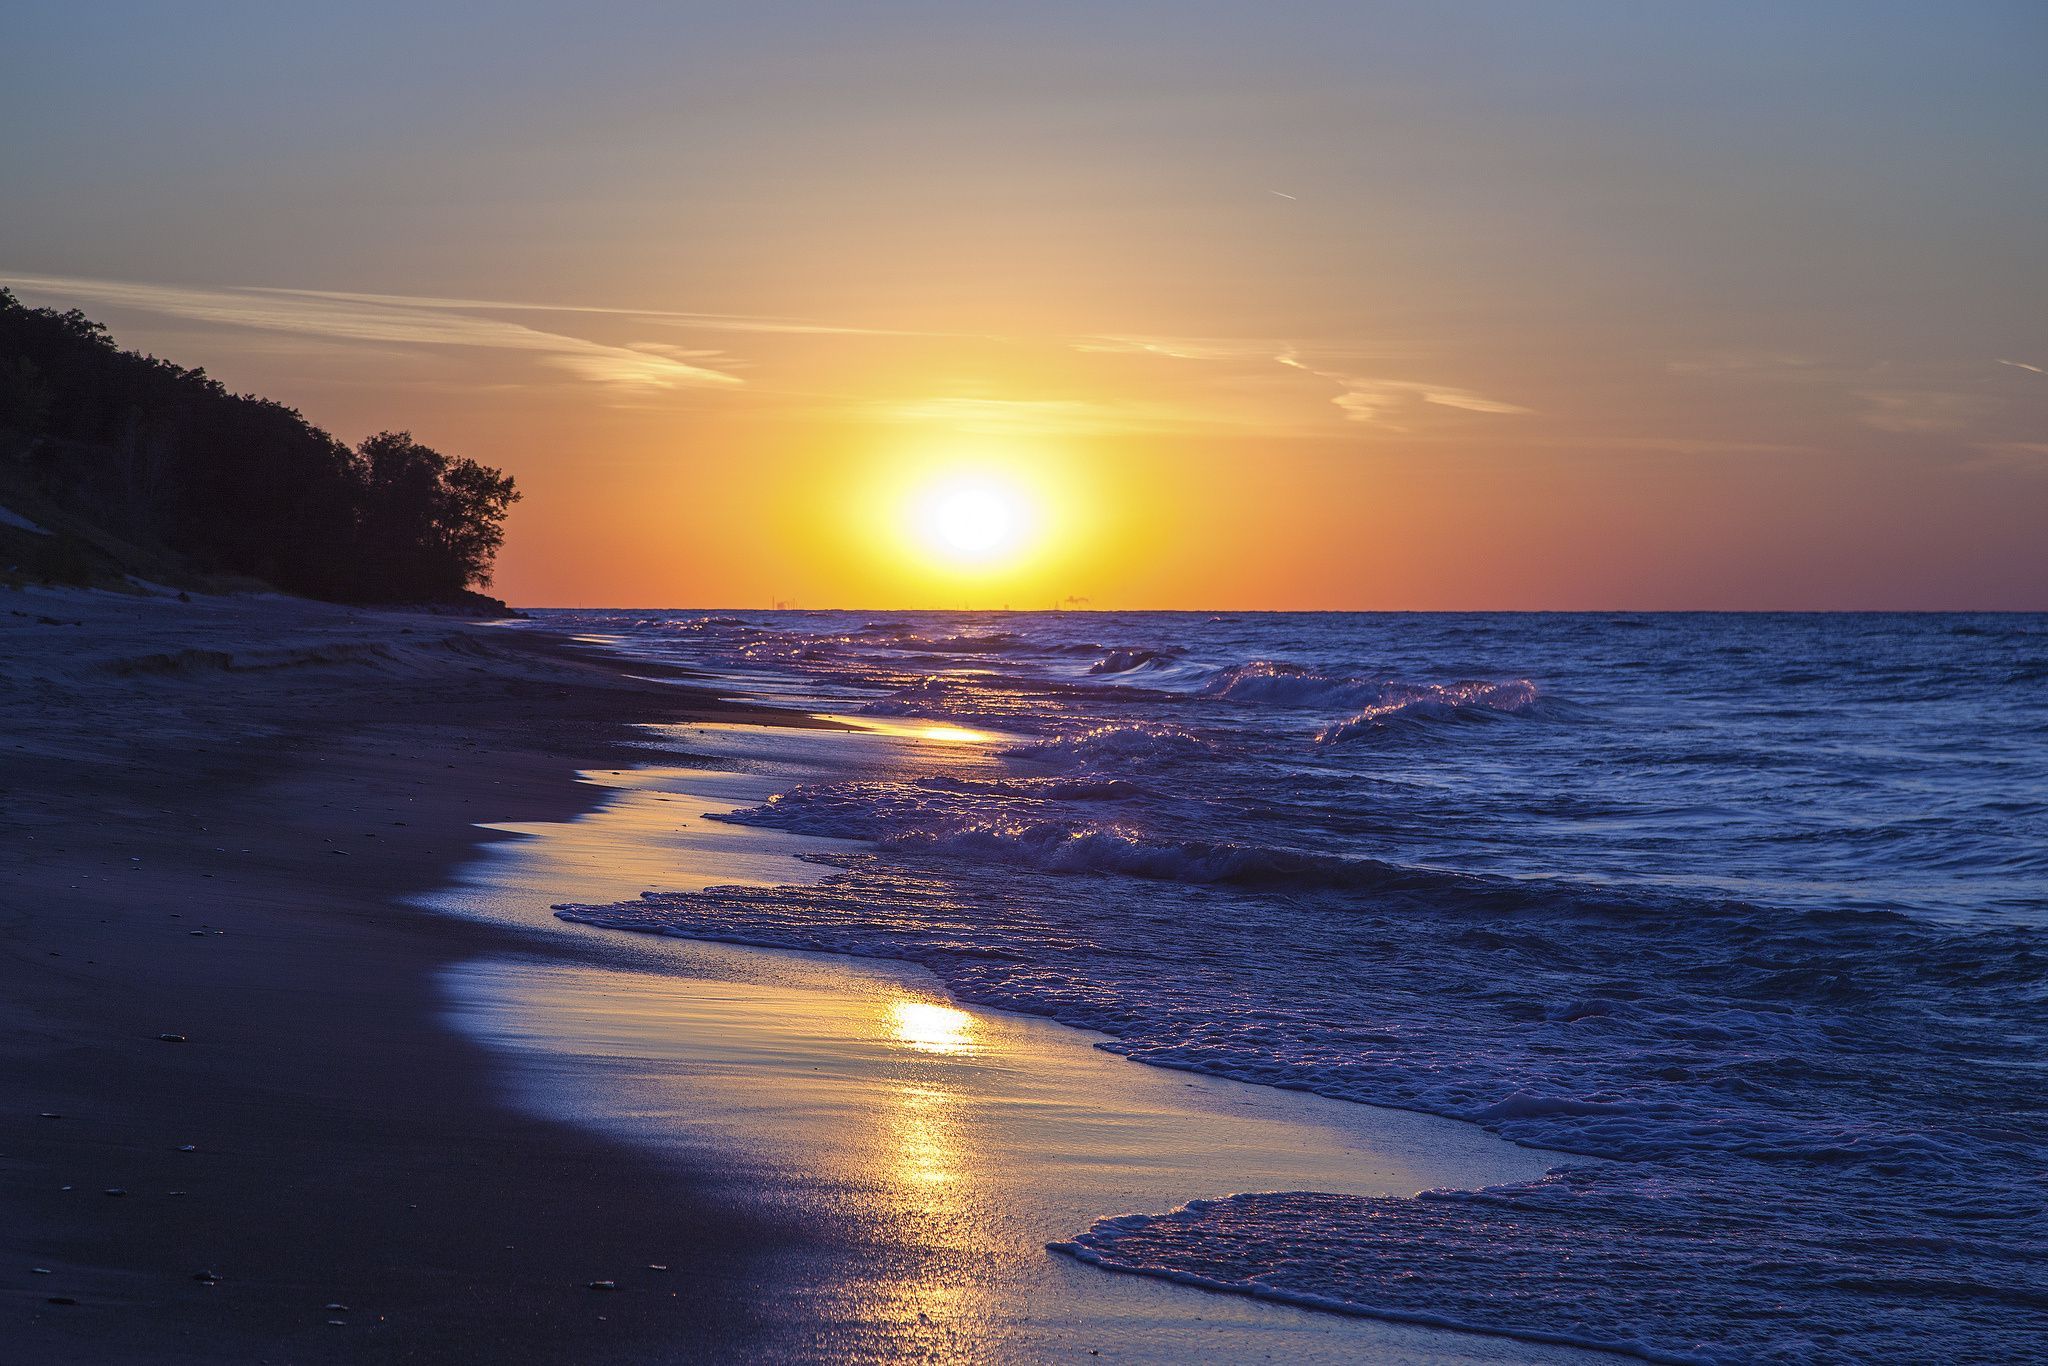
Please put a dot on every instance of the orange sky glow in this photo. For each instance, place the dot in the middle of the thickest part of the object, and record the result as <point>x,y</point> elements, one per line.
<point>1294,313</point>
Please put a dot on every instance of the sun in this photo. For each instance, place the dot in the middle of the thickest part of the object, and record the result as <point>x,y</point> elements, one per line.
<point>971,521</point>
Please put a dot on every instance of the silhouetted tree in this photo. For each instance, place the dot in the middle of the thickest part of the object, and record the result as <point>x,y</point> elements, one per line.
<point>162,455</point>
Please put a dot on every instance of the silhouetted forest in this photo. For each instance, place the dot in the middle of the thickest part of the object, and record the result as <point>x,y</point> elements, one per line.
<point>164,457</point>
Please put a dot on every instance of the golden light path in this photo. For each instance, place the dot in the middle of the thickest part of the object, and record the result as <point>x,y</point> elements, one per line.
<point>931,1028</point>
<point>936,1148</point>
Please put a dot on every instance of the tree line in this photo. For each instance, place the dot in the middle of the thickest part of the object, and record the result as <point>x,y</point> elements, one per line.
<point>165,456</point>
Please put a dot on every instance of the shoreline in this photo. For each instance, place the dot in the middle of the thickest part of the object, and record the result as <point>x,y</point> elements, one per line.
<point>223,851</point>
<point>938,1149</point>
<point>270,876</point>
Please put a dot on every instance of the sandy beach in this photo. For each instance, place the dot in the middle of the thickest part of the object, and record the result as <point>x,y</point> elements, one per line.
<point>227,1103</point>
<point>291,1027</point>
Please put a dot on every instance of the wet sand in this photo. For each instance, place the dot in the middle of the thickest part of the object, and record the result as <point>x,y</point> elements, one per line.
<point>932,1149</point>
<point>219,849</point>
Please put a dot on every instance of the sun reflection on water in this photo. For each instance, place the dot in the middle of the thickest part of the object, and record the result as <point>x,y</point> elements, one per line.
<point>952,735</point>
<point>938,732</point>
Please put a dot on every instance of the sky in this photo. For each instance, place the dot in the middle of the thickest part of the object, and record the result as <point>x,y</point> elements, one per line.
<point>1319,306</point>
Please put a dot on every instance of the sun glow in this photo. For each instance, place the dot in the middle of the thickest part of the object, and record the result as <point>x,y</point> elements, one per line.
<point>961,520</point>
<point>975,522</point>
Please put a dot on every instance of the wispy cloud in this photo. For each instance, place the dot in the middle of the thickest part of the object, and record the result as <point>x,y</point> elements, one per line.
<point>1679,445</point>
<point>388,320</point>
<point>1180,348</point>
<point>1378,401</point>
<point>1360,398</point>
<point>1039,417</point>
<point>1743,363</point>
<point>400,321</point>
<point>1919,410</point>
<point>709,322</point>
<point>2012,457</point>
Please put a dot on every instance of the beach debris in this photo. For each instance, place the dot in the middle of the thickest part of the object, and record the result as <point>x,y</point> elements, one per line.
<point>604,1285</point>
<point>207,1277</point>
<point>172,1038</point>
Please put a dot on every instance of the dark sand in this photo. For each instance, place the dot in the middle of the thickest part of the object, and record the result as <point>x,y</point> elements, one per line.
<point>218,849</point>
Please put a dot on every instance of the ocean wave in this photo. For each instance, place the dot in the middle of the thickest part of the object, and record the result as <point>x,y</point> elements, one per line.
<point>994,642</point>
<point>1124,661</point>
<point>1130,744</point>
<point>1377,704</point>
<point>1277,683</point>
<point>1084,788</point>
<point>1403,704</point>
<point>1683,1260</point>
<point>925,697</point>
<point>1735,1059</point>
<point>946,817</point>
<point>1088,847</point>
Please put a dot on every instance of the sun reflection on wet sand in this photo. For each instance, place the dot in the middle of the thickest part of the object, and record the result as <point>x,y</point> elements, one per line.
<point>931,1028</point>
<point>940,1148</point>
<point>922,1125</point>
<point>929,1151</point>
